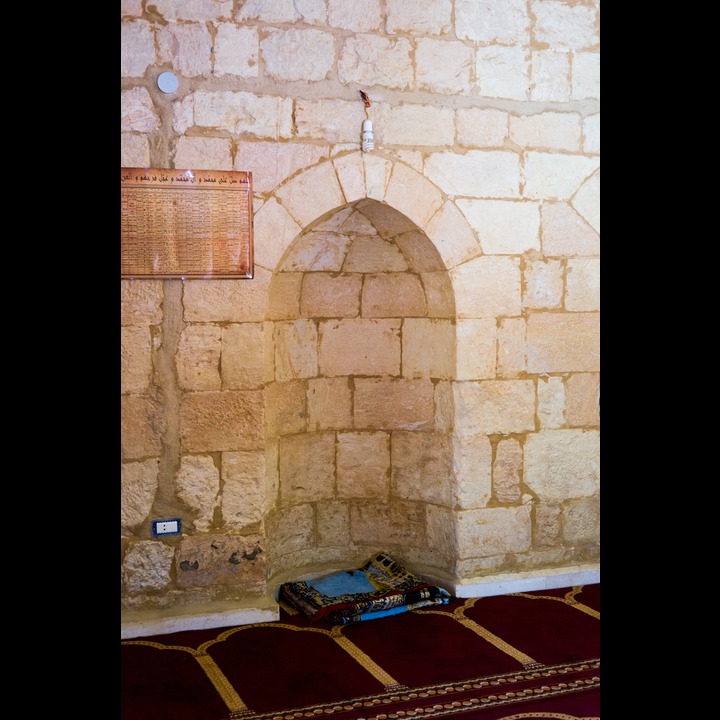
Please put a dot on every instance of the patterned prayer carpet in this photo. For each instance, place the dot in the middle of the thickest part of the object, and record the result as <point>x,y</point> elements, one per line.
<point>509,657</point>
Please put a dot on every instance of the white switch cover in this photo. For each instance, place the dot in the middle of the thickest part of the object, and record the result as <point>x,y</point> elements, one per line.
<point>166,527</point>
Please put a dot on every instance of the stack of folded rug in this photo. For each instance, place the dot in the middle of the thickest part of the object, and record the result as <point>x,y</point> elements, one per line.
<point>379,588</point>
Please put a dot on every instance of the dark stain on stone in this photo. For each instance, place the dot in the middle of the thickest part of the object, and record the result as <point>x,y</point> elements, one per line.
<point>187,565</point>
<point>235,559</point>
<point>253,554</point>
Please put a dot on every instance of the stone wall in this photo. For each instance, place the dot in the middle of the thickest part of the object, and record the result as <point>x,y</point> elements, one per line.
<point>414,366</point>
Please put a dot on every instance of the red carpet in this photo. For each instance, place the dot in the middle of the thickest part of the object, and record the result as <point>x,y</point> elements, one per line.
<point>525,655</point>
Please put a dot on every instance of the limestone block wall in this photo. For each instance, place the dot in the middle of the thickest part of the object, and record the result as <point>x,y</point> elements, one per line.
<point>414,366</point>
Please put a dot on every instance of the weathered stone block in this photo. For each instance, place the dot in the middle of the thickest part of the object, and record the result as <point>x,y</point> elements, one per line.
<point>173,10</point>
<point>581,521</point>
<point>236,50</point>
<point>443,66</point>
<point>312,194</point>
<point>583,285</point>
<point>428,348</point>
<point>562,464</point>
<point>316,251</point>
<point>477,173</point>
<point>355,15</point>
<point>138,485</point>
<point>412,195</point>
<point>243,113</point>
<point>506,23</point>
<point>544,284</point>
<point>587,201</point>
<point>197,484</point>
<point>432,17</point>
<point>511,347</point>
<point>363,465</point>
<point>390,404</point>
<point>147,566</point>
<point>137,48</point>
<point>198,357</point>
<point>547,130</point>
<point>271,163</point>
<point>416,125</point>
<point>504,227</point>
<point>222,560</point>
<point>312,12</point>
<point>137,113</point>
<point>591,132</point>
<point>565,233</point>
<point>550,76</point>
<point>359,347</point>
<point>422,467</point>
<point>285,407</point>
<point>350,170</point>
<point>440,522</point>
<point>298,54</point>
<point>503,72</point>
<point>243,488</point>
<point>274,231</point>
<point>242,359</point>
<point>487,287</point>
<point>583,399</point>
<point>493,531</point>
<point>393,295</point>
<point>188,46</point>
<point>291,529</point>
<point>284,295</point>
<point>135,359</point>
<point>134,150</point>
<point>480,128</point>
<point>507,471</point>
<point>419,252</point>
<point>368,60</point>
<point>387,524</point>
<point>444,407</point>
<point>453,237</point>
<point>330,295</point>
<point>336,121</point>
<point>142,424</point>
<point>439,295</point>
<point>563,342</point>
<point>333,524</point>
<point>296,349</point>
<point>551,402</point>
<point>226,301</point>
<point>307,467</point>
<point>222,421</point>
<point>472,465</point>
<point>329,404</point>
<point>372,255</point>
<point>494,406</point>
<point>556,176</point>
<point>566,26</point>
<point>476,349</point>
<point>201,153</point>
<point>546,527</point>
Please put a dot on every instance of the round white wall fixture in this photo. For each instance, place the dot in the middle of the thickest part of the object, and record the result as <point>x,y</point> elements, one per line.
<point>167,82</point>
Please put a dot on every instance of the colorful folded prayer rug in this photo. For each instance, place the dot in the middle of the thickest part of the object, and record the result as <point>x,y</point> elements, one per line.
<point>380,588</point>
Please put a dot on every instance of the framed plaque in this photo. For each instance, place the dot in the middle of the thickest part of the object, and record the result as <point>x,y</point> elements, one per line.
<point>186,223</point>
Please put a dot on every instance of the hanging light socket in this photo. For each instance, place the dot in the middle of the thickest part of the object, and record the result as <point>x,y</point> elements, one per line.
<point>368,139</point>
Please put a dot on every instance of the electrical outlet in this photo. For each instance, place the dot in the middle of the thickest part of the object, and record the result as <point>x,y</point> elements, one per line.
<point>173,526</point>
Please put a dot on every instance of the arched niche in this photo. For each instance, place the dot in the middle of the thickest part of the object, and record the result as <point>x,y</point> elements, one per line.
<point>360,347</point>
<point>358,411</point>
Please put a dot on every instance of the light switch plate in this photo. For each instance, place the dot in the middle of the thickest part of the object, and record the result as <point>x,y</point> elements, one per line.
<point>172,526</point>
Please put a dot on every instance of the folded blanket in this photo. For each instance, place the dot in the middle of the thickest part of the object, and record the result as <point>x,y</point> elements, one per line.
<point>379,588</point>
